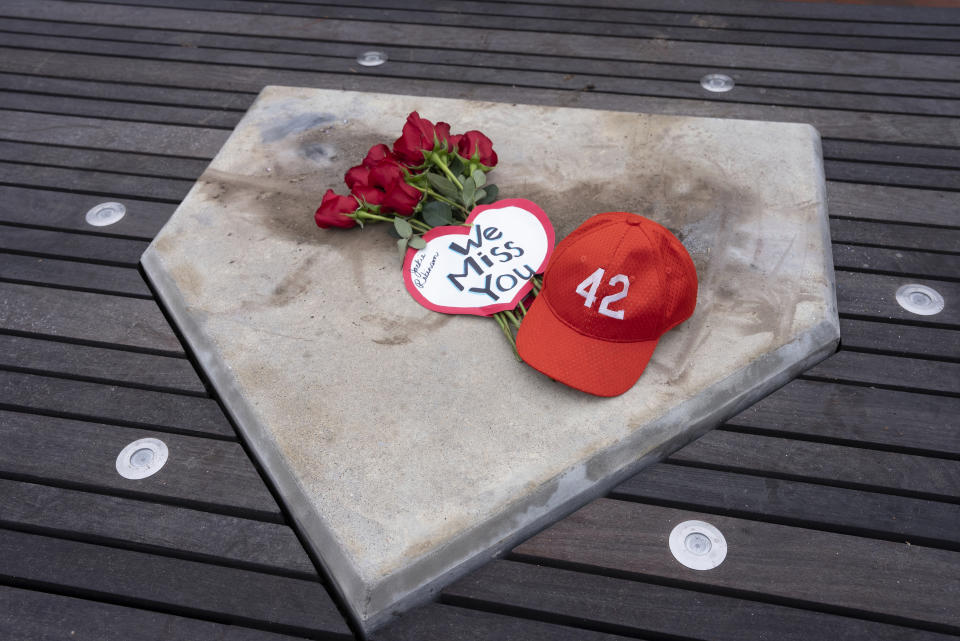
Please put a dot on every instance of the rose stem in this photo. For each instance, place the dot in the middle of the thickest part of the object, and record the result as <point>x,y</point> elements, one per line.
<point>506,332</point>
<point>438,161</point>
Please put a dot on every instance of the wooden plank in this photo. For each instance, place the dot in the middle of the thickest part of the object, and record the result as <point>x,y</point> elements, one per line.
<point>43,242</point>
<point>75,131</point>
<point>911,374</point>
<point>438,69</point>
<point>153,527</point>
<point>873,296</point>
<point>896,236</point>
<point>905,340</point>
<point>118,185</point>
<point>869,514</point>
<point>189,588</point>
<point>807,10</point>
<point>897,175</point>
<point>636,608</point>
<point>831,122</point>
<point>41,616</point>
<point>794,565</point>
<point>200,473</point>
<point>916,66</point>
<point>896,262</point>
<point>118,110</point>
<point>101,160</point>
<point>492,19</point>
<point>85,317</point>
<point>65,211</point>
<point>893,204</point>
<point>197,98</point>
<point>176,413</point>
<point>99,364</point>
<point>410,52</point>
<point>922,477</point>
<point>107,279</point>
<point>436,621</point>
<point>710,18</point>
<point>891,154</point>
<point>857,416</point>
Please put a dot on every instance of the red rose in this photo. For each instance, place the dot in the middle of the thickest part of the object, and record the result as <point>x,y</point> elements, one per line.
<point>358,175</point>
<point>401,198</point>
<point>474,145</point>
<point>384,185</point>
<point>443,135</point>
<point>333,209</point>
<point>418,135</point>
<point>398,196</point>
<point>376,154</point>
<point>368,194</point>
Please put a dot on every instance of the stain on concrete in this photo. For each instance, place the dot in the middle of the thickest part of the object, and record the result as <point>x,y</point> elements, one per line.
<point>321,153</point>
<point>295,125</point>
<point>400,330</point>
<point>282,205</point>
<point>294,285</point>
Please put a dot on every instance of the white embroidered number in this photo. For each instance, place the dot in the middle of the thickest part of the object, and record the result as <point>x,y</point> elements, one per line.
<point>612,298</point>
<point>588,289</point>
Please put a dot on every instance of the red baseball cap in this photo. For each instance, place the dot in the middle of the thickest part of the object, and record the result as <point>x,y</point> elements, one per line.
<point>612,288</point>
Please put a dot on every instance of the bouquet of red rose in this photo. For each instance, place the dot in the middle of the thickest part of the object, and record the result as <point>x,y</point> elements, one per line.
<point>429,178</point>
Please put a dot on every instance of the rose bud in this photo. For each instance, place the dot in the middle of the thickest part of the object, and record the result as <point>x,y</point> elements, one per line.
<point>444,136</point>
<point>418,135</point>
<point>333,209</point>
<point>474,145</point>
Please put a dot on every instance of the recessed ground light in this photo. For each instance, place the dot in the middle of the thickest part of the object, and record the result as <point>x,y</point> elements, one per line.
<point>142,458</point>
<point>717,82</point>
<point>372,58</point>
<point>105,214</point>
<point>920,299</point>
<point>698,545</point>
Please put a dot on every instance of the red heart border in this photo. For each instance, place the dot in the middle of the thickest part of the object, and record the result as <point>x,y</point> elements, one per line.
<point>462,230</point>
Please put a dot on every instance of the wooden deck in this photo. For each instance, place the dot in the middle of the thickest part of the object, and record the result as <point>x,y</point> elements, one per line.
<point>839,494</point>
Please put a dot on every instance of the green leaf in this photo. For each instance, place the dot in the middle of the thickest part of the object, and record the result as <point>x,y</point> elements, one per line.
<point>403,227</point>
<point>417,242</point>
<point>456,165</point>
<point>443,186</point>
<point>469,192</point>
<point>402,246</point>
<point>479,178</point>
<point>492,191</point>
<point>480,195</point>
<point>436,213</point>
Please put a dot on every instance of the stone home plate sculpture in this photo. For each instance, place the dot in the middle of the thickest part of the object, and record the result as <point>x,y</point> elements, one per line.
<point>411,446</point>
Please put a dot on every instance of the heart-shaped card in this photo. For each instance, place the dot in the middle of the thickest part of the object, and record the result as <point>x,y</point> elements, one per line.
<point>483,268</point>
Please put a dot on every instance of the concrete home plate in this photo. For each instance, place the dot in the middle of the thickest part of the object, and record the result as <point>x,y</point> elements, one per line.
<point>411,446</point>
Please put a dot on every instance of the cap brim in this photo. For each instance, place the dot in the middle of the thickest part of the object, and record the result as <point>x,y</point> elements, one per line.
<point>602,368</point>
